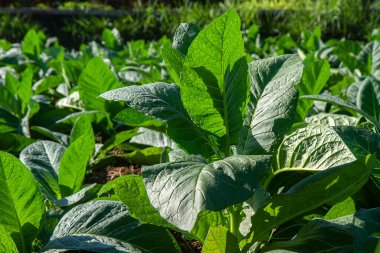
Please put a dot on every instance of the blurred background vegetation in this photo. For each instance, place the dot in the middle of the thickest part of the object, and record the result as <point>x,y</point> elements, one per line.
<point>75,22</point>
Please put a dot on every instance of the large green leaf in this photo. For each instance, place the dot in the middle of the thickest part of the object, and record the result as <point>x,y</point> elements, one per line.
<point>21,203</point>
<point>174,62</point>
<point>95,79</point>
<point>214,82</point>
<point>362,142</point>
<point>340,102</point>
<point>112,220</point>
<point>331,119</point>
<point>163,102</point>
<point>319,236</point>
<point>181,190</point>
<point>43,159</point>
<point>368,98</point>
<point>272,104</point>
<point>6,242</point>
<point>153,138</point>
<point>74,164</point>
<point>33,43</point>
<point>313,147</point>
<point>184,36</point>
<point>369,58</point>
<point>314,77</point>
<point>366,233</point>
<point>62,139</point>
<point>174,57</point>
<point>220,240</point>
<point>131,190</point>
<point>325,187</point>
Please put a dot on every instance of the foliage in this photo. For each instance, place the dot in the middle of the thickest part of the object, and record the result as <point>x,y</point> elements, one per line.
<point>247,144</point>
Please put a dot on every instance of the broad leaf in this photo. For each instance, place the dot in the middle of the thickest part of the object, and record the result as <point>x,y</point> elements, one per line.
<point>313,147</point>
<point>62,139</point>
<point>112,220</point>
<point>340,102</point>
<point>21,203</point>
<point>320,236</point>
<point>272,104</point>
<point>32,44</point>
<point>163,102</point>
<point>181,190</point>
<point>6,242</point>
<point>83,195</point>
<point>314,77</point>
<point>184,36</point>
<point>43,159</point>
<point>174,62</point>
<point>214,82</point>
<point>131,190</point>
<point>95,79</point>
<point>74,164</point>
<point>220,240</point>
<point>368,98</point>
<point>153,138</point>
<point>332,120</point>
<point>369,58</point>
<point>343,208</point>
<point>82,127</point>
<point>324,187</point>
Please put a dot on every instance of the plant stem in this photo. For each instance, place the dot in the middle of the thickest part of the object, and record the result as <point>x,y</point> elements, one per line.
<point>234,221</point>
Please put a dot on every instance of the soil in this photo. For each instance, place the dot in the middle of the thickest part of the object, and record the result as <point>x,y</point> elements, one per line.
<point>110,173</point>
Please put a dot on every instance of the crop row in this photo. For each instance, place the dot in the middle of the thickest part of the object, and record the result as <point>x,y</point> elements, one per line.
<point>246,145</point>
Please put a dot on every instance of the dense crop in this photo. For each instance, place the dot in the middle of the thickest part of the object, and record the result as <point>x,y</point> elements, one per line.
<point>242,155</point>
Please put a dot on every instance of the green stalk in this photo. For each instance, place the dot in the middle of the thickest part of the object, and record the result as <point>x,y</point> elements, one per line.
<point>234,221</point>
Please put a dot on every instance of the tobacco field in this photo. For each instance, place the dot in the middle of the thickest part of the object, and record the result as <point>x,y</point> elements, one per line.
<point>214,140</point>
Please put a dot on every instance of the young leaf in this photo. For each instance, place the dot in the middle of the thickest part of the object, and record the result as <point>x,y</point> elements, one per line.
<point>220,240</point>
<point>272,104</point>
<point>81,227</point>
<point>82,127</point>
<point>162,101</point>
<point>326,186</point>
<point>314,77</point>
<point>214,80</point>
<point>95,79</point>
<point>368,98</point>
<point>43,159</point>
<point>181,190</point>
<point>174,62</point>
<point>32,44</point>
<point>21,203</point>
<point>369,58</point>
<point>74,164</point>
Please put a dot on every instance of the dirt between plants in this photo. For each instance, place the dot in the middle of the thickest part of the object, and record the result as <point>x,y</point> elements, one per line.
<point>102,176</point>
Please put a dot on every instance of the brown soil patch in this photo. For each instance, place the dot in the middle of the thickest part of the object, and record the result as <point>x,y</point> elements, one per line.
<point>102,176</point>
